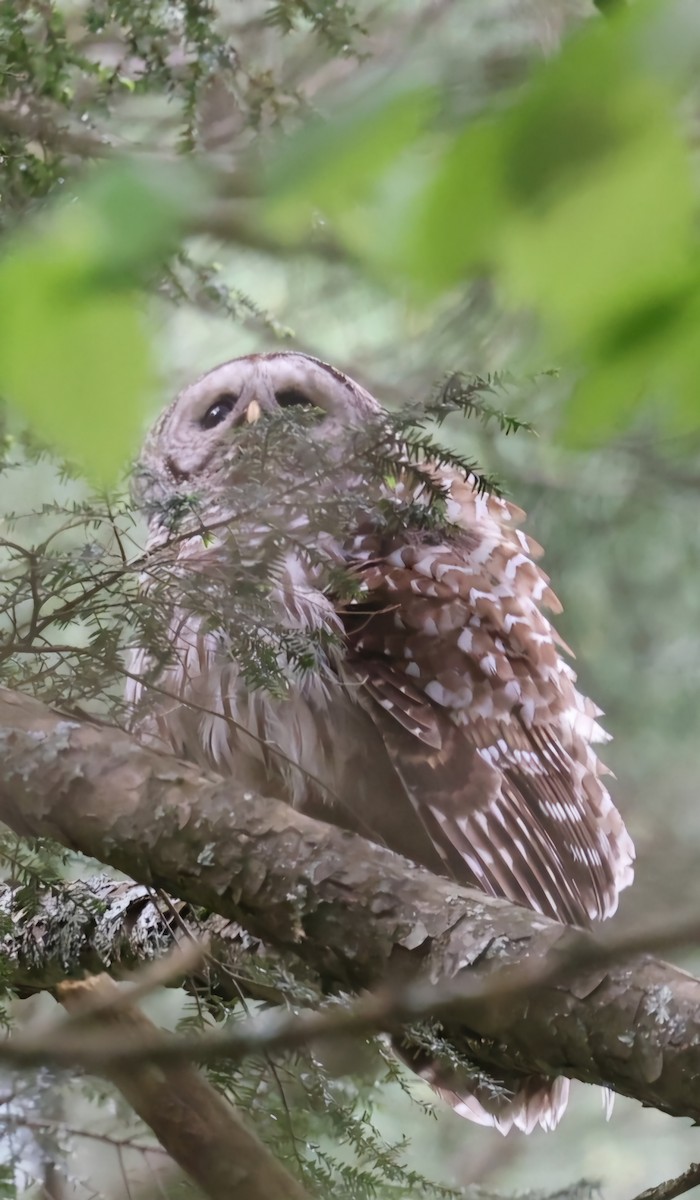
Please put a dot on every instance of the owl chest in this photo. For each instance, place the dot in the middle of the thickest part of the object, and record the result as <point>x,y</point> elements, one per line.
<point>304,742</point>
<point>204,710</point>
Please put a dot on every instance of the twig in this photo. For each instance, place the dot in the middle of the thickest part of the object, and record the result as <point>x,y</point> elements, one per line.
<point>183,959</point>
<point>62,1129</point>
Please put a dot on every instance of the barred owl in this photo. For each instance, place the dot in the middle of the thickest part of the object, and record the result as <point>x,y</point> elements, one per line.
<point>439,717</point>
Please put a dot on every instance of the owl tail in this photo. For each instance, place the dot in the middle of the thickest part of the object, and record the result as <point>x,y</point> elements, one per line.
<point>535,1100</point>
<point>504,1102</point>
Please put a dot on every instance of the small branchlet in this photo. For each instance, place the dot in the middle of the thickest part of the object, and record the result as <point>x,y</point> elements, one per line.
<point>458,393</point>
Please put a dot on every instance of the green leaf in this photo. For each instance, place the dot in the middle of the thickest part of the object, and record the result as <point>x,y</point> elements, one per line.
<point>137,210</point>
<point>602,404</point>
<point>453,229</point>
<point>74,358</point>
<point>654,354</point>
<point>610,245</point>
<point>336,166</point>
<point>74,350</point>
<point>581,194</point>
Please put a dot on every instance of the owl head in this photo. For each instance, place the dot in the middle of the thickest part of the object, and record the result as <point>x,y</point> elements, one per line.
<point>196,437</point>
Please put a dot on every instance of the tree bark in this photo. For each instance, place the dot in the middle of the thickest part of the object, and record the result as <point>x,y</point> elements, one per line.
<point>356,913</point>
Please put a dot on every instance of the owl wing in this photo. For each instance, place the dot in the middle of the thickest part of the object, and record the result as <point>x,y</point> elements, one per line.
<point>464,678</point>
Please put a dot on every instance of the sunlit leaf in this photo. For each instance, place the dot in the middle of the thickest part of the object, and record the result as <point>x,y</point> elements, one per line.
<point>652,356</point>
<point>454,228</point>
<point>580,193</point>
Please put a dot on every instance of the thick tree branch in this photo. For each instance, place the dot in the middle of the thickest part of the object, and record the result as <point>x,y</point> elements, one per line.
<point>356,913</point>
<point>114,924</point>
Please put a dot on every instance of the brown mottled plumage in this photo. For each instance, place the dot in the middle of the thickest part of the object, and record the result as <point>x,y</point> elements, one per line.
<point>448,726</point>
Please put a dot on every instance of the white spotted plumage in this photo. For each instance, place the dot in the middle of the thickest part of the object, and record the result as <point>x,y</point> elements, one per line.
<point>443,721</point>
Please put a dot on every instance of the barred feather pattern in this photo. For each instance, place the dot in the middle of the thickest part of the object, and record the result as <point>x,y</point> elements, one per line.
<point>444,720</point>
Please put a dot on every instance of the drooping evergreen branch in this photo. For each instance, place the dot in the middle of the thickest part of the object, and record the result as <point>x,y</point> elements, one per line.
<point>357,914</point>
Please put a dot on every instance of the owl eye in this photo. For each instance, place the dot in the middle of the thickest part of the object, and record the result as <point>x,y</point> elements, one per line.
<point>218,411</point>
<point>293,398</point>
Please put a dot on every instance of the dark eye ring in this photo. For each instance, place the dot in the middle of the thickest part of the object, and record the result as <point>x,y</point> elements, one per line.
<point>219,410</point>
<point>292,398</point>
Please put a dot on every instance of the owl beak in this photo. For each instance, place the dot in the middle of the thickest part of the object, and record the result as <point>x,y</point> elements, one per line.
<point>252,413</point>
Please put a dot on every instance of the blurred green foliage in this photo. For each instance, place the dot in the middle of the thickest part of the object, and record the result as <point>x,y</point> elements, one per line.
<point>578,195</point>
<point>74,344</point>
<point>74,355</point>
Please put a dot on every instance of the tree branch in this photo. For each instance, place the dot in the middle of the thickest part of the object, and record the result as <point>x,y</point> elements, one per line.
<point>671,1188</point>
<point>44,125</point>
<point>103,924</point>
<point>200,1130</point>
<point>357,914</point>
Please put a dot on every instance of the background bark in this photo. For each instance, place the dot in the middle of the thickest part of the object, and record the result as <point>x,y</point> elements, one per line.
<point>201,1131</point>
